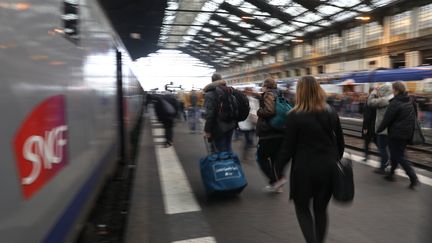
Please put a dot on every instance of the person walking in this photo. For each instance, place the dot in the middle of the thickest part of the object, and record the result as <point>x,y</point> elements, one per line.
<point>166,107</point>
<point>368,128</point>
<point>219,132</point>
<point>269,138</point>
<point>247,127</point>
<point>400,119</point>
<point>314,141</point>
<point>380,99</point>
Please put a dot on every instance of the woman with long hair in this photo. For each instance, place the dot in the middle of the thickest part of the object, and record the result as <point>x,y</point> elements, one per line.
<point>314,141</point>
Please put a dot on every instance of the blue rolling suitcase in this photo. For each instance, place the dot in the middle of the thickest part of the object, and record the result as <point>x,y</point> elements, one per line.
<point>222,173</point>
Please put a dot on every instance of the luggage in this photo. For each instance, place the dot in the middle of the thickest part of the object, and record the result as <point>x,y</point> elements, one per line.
<point>222,174</point>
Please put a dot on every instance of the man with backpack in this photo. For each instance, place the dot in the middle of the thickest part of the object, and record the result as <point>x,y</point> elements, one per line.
<point>271,118</point>
<point>224,107</point>
<point>217,130</point>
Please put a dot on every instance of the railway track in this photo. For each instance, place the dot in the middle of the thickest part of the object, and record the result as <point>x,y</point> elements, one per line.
<point>420,156</point>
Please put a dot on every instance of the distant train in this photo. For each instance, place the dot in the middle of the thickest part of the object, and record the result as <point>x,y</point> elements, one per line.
<point>64,118</point>
<point>417,79</point>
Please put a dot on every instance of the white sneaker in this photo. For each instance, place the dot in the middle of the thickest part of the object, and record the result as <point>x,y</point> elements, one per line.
<point>269,189</point>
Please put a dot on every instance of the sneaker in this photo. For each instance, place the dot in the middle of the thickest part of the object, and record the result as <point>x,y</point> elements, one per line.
<point>269,189</point>
<point>279,184</point>
<point>413,185</point>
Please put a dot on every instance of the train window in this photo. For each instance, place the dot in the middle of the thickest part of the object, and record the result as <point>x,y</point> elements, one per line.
<point>70,20</point>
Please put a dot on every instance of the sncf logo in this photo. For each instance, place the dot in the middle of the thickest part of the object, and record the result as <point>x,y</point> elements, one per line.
<point>41,145</point>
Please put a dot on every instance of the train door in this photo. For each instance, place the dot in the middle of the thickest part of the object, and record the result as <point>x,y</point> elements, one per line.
<point>120,108</point>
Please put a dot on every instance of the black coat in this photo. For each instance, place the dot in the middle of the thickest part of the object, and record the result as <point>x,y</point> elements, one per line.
<point>399,118</point>
<point>369,117</point>
<point>313,150</point>
<point>162,113</point>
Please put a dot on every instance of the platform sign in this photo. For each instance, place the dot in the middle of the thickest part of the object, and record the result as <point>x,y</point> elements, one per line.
<point>41,145</point>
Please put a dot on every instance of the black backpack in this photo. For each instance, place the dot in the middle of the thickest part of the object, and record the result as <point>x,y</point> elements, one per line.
<point>233,104</point>
<point>227,108</point>
<point>242,105</point>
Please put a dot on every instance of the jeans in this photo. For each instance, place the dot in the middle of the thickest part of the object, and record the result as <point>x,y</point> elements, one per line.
<point>249,139</point>
<point>397,154</point>
<point>194,115</point>
<point>223,143</point>
<point>382,147</point>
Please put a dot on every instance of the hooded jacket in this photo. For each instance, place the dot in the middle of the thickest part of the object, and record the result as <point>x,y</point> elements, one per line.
<point>213,124</point>
<point>380,99</point>
<point>399,118</point>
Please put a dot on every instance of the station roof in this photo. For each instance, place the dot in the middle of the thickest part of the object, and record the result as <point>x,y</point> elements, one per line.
<point>222,32</point>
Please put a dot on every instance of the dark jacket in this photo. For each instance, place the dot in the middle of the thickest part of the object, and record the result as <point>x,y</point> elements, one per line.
<point>265,113</point>
<point>213,124</point>
<point>399,118</point>
<point>162,112</point>
<point>369,116</point>
<point>314,150</point>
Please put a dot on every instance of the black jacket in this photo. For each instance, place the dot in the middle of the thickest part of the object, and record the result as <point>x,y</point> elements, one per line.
<point>213,124</point>
<point>399,118</point>
<point>162,113</point>
<point>369,116</point>
<point>314,141</point>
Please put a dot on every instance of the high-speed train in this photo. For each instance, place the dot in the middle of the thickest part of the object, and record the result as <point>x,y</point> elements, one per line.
<point>65,115</point>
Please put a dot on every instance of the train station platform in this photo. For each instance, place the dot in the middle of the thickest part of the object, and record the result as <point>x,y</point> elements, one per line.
<point>169,203</point>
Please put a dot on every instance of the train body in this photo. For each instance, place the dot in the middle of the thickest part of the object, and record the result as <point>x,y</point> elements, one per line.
<point>61,115</point>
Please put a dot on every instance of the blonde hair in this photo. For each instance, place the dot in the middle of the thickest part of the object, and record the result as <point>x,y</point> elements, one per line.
<point>310,96</point>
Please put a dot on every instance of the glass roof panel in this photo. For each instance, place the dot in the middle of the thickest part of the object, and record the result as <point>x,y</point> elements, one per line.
<point>267,37</point>
<point>253,44</point>
<point>279,40</point>
<point>203,17</point>
<point>328,10</point>
<point>309,17</point>
<point>235,33</point>
<point>245,25</point>
<point>235,2</point>
<point>343,16</point>
<point>242,49</point>
<point>311,28</point>
<point>324,23</point>
<point>345,3</point>
<point>288,37</point>
<point>279,2</point>
<point>234,19</point>
<point>214,22</point>
<point>380,3</point>
<point>273,22</point>
<point>363,8</point>
<point>294,10</point>
<point>283,29</point>
<point>258,32</point>
<point>207,29</point>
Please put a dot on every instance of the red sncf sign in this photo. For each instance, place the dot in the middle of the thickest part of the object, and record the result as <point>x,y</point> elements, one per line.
<point>41,145</point>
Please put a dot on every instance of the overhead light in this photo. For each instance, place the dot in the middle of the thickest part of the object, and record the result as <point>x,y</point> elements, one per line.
<point>135,36</point>
<point>247,17</point>
<point>363,18</point>
<point>297,40</point>
<point>264,53</point>
<point>222,39</point>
